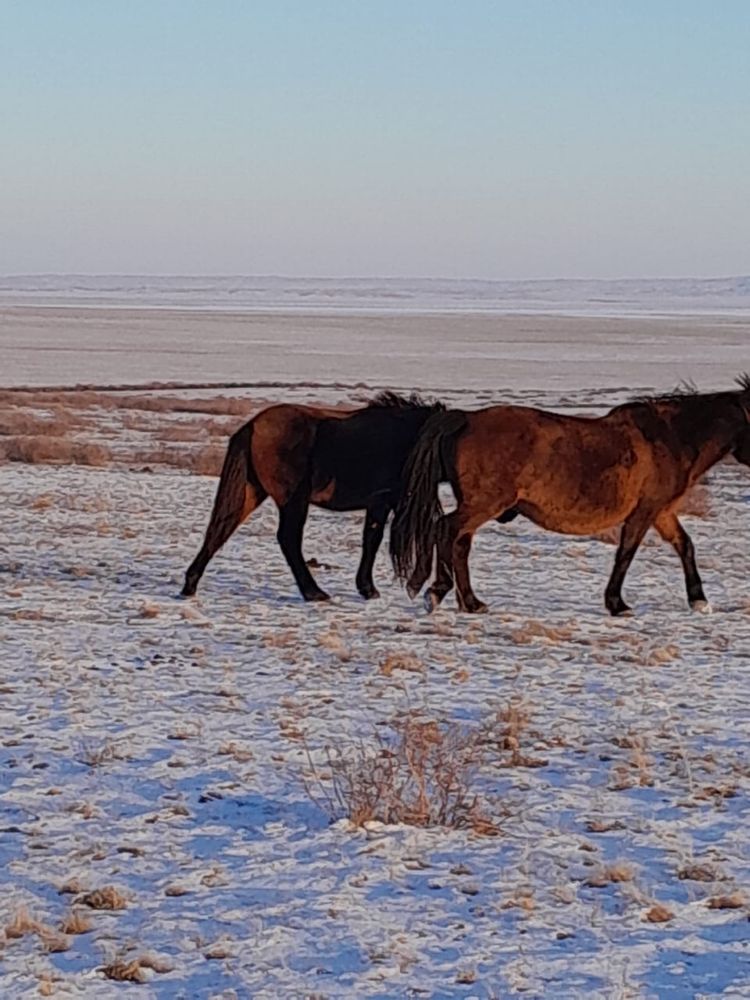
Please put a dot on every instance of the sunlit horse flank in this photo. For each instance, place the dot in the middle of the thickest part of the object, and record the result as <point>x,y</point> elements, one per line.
<point>341,460</point>
<point>574,475</point>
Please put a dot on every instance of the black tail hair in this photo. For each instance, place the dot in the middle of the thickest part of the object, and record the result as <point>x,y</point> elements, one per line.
<point>414,528</point>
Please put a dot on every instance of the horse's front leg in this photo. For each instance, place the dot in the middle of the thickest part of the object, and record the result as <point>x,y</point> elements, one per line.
<point>292,517</point>
<point>631,537</point>
<point>372,535</point>
<point>672,531</point>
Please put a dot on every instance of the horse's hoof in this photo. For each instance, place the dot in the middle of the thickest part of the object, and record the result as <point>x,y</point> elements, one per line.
<point>317,595</point>
<point>702,607</point>
<point>431,601</point>
<point>412,591</point>
<point>476,608</point>
<point>371,594</point>
<point>623,612</point>
<point>187,591</point>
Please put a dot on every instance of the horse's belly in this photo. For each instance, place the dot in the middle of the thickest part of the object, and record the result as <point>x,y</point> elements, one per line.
<point>582,519</point>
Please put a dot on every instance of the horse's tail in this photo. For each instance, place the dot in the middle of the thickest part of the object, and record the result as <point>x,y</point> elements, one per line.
<point>414,529</point>
<point>238,493</point>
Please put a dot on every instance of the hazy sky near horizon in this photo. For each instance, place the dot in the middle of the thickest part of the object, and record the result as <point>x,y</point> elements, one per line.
<point>543,138</point>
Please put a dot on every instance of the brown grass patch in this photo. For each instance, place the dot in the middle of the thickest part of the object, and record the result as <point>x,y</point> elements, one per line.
<point>53,451</point>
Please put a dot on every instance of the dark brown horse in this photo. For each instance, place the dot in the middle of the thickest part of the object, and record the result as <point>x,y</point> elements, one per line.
<point>298,455</point>
<point>574,475</point>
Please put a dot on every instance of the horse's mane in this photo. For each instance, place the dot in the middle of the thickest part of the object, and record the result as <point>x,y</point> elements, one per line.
<point>686,393</point>
<point>387,399</point>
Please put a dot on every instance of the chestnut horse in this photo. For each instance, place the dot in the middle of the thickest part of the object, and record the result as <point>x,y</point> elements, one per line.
<point>337,459</point>
<point>574,475</point>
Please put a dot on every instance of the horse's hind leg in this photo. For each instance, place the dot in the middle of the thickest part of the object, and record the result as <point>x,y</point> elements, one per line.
<point>222,525</point>
<point>292,517</point>
<point>631,537</point>
<point>673,532</point>
<point>372,536</point>
<point>443,583</point>
<point>467,599</point>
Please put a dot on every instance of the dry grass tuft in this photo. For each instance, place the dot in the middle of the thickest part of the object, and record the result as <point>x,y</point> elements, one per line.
<point>76,922</point>
<point>400,661</point>
<point>422,775</point>
<point>106,898</point>
<point>735,901</point>
<point>21,924</point>
<point>658,914</point>
<point>611,874</point>
<point>158,963</point>
<point>53,941</point>
<point>71,887</point>
<point>533,629</point>
<point>124,972</point>
<point>333,642</point>
<point>94,754</point>
<point>698,873</point>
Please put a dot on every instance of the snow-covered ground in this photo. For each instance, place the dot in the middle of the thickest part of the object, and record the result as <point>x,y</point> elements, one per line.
<point>170,749</point>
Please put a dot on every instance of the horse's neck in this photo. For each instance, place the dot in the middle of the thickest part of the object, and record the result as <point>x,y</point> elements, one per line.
<point>708,440</point>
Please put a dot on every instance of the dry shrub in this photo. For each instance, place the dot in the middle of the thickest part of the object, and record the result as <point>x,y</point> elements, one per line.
<point>422,775</point>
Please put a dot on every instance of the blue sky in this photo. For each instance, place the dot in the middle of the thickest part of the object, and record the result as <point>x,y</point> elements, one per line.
<point>474,138</point>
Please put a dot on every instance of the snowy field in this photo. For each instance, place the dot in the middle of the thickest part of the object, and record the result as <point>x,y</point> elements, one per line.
<point>181,753</point>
